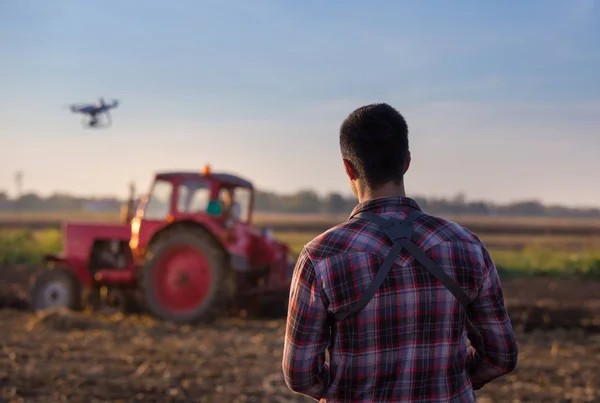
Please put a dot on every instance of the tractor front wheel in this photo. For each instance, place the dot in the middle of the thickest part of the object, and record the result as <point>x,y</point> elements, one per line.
<point>185,281</point>
<point>55,288</point>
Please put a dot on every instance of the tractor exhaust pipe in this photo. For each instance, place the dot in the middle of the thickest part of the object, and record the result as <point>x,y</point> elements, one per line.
<point>128,209</point>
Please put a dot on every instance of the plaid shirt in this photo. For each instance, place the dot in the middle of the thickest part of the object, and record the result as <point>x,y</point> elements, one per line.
<point>409,344</point>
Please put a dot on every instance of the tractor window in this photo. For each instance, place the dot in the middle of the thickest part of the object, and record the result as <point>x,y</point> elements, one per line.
<point>243,197</point>
<point>159,201</point>
<point>193,197</point>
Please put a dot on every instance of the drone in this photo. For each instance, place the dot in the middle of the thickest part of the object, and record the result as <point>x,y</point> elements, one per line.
<point>94,111</point>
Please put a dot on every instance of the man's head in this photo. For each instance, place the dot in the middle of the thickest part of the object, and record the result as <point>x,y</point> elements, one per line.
<point>226,197</point>
<point>374,146</point>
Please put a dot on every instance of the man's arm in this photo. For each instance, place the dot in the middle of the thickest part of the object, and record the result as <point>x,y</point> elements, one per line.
<point>495,347</point>
<point>307,333</point>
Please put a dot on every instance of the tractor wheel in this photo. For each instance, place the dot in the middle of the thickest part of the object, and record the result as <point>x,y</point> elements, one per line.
<point>56,288</point>
<point>186,280</point>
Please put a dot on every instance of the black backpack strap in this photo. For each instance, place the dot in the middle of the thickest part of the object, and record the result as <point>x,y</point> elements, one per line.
<point>400,233</point>
<point>396,231</point>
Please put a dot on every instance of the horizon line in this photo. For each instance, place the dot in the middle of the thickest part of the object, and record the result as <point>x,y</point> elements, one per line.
<point>346,195</point>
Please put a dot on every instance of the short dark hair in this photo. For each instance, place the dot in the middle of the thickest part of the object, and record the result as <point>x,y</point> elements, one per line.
<point>374,139</point>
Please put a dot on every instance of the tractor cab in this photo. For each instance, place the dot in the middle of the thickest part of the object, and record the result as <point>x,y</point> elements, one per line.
<point>218,201</point>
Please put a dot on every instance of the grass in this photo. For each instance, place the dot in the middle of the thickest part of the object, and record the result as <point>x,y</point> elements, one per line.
<point>522,256</point>
<point>28,247</point>
<point>514,255</point>
<point>30,216</point>
<point>544,261</point>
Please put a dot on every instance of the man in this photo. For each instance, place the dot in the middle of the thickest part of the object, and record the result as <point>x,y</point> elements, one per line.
<point>228,206</point>
<point>406,339</point>
<point>226,201</point>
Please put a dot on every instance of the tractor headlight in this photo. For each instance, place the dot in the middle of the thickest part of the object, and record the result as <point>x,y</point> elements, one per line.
<point>135,226</point>
<point>135,231</point>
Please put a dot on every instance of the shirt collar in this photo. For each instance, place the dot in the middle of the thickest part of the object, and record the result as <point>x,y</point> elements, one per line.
<point>386,204</point>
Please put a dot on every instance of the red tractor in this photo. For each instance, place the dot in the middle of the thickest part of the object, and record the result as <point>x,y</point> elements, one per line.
<point>189,254</point>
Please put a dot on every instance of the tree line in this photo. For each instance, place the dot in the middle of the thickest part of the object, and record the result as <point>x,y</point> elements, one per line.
<point>308,201</point>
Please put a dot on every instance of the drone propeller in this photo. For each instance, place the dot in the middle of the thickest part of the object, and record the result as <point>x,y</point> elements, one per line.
<point>114,103</point>
<point>75,105</point>
<point>72,107</point>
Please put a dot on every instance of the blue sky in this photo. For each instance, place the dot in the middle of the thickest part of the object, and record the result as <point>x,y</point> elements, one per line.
<point>502,98</point>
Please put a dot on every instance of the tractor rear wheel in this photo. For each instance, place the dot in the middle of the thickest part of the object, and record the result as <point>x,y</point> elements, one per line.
<point>54,288</point>
<point>186,280</point>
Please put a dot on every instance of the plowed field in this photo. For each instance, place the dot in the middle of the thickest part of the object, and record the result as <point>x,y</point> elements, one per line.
<point>64,357</point>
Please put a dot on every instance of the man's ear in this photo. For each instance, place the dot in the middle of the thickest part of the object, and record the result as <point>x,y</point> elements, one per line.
<point>349,170</point>
<point>407,163</point>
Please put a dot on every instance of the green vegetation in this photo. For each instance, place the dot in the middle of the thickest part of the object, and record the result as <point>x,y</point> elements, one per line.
<point>545,261</point>
<point>28,247</point>
<point>536,258</point>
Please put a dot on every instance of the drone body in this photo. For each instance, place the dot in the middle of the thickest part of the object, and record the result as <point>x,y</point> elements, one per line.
<point>93,112</point>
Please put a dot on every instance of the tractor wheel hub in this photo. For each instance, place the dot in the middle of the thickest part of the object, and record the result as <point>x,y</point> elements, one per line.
<point>55,294</point>
<point>181,279</point>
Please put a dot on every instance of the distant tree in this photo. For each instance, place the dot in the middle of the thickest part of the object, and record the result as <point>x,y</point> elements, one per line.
<point>64,202</point>
<point>422,201</point>
<point>308,201</point>
<point>267,201</point>
<point>305,201</point>
<point>30,201</point>
<point>335,203</point>
<point>460,199</point>
<point>479,208</point>
<point>5,201</point>
<point>526,208</point>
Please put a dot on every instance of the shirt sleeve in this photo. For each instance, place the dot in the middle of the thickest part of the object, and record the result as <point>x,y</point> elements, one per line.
<point>494,348</point>
<point>307,333</point>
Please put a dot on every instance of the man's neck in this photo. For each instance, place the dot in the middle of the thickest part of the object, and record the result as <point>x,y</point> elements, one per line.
<point>388,190</point>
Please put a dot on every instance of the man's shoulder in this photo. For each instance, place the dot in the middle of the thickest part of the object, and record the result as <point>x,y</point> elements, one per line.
<point>437,229</point>
<point>337,239</point>
<point>430,230</point>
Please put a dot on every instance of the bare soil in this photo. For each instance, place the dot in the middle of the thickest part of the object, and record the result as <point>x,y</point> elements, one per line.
<point>61,356</point>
